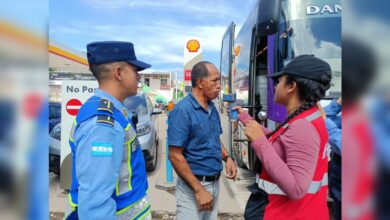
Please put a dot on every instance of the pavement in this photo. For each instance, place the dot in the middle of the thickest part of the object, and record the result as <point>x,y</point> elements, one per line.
<point>233,194</point>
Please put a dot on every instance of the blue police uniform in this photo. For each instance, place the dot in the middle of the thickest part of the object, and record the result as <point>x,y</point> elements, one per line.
<point>108,169</point>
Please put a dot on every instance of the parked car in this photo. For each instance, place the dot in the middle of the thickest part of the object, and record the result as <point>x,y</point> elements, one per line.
<point>55,149</point>
<point>147,133</point>
<point>54,114</point>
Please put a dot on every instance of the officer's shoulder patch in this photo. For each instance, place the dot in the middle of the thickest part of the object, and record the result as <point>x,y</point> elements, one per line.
<point>105,119</point>
<point>106,105</point>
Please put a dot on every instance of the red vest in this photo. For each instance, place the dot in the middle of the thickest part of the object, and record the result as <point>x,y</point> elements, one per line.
<point>314,204</point>
<point>358,169</point>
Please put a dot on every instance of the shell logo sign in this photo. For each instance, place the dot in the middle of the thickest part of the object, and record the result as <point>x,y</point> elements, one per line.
<point>193,46</point>
<point>237,50</point>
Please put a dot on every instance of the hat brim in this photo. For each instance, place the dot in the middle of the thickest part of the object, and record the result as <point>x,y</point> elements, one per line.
<point>275,75</point>
<point>139,64</point>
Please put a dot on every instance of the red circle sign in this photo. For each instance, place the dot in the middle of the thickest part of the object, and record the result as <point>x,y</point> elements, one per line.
<point>73,106</point>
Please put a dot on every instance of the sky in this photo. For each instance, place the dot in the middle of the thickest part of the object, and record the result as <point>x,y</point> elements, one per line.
<point>29,15</point>
<point>157,28</point>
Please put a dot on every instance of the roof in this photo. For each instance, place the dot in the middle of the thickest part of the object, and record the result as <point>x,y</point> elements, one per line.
<point>155,73</point>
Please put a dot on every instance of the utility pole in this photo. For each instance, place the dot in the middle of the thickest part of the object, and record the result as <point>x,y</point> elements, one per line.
<point>176,86</point>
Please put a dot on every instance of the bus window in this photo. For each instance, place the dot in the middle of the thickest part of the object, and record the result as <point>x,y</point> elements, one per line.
<point>226,59</point>
<point>321,37</point>
<point>242,63</point>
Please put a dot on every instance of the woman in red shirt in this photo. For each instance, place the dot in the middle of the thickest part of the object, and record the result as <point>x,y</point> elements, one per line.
<point>293,181</point>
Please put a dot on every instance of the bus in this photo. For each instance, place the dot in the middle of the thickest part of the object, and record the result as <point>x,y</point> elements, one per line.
<point>275,32</point>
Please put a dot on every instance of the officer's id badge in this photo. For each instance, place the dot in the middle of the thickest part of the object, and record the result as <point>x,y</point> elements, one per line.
<point>124,112</point>
<point>102,149</point>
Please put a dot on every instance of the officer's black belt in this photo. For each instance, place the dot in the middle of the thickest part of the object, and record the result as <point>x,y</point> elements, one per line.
<point>208,178</point>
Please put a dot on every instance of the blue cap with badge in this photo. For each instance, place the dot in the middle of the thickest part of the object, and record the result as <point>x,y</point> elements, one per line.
<point>113,51</point>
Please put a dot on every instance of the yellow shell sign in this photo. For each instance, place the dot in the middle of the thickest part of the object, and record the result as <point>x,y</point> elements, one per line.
<point>237,50</point>
<point>193,45</point>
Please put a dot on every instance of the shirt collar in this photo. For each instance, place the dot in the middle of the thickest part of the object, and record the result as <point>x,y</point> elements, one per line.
<point>196,104</point>
<point>102,94</point>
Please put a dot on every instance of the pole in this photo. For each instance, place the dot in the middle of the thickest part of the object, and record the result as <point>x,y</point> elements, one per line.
<point>167,184</point>
<point>176,85</point>
<point>169,177</point>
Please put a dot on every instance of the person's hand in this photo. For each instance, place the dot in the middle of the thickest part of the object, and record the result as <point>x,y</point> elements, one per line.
<point>323,114</point>
<point>253,130</point>
<point>204,199</point>
<point>239,109</point>
<point>339,101</point>
<point>231,169</point>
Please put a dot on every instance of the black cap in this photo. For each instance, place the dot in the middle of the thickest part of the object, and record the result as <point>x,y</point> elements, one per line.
<point>114,51</point>
<point>305,66</point>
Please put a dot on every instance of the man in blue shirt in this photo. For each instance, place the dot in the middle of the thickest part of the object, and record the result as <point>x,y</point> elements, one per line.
<point>108,175</point>
<point>195,148</point>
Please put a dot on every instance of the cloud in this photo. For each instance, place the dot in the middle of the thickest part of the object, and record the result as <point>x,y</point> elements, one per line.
<point>160,41</point>
<point>203,7</point>
<point>309,43</point>
<point>158,29</point>
<point>65,30</point>
<point>328,49</point>
<point>119,4</point>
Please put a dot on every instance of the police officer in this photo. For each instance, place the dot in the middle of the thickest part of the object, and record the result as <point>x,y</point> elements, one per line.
<point>108,176</point>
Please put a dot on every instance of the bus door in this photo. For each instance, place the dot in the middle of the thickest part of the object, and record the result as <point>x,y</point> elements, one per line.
<point>227,70</point>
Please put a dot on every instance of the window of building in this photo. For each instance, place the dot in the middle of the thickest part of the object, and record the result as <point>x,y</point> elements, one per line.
<point>147,81</point>
<point>164,82</point>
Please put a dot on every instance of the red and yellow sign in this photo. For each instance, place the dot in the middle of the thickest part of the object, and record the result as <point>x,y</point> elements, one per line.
<point>20,35</point>
<point>193,46</point>
<point>60,52</point>
<point>237,50</point>
<point>187,75</point>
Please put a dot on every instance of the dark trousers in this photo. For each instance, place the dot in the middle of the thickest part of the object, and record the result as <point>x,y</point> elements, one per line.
<point>382,193</point>
<point>336,209</point>
<point>255,207</point>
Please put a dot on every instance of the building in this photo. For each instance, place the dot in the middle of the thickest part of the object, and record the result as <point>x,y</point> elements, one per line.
<point>65,63</point>
<point>63,59</point>
<point>157,80</point>
<point>160,83</point>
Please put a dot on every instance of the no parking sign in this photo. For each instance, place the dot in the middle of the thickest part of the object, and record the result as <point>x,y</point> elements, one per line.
<point>73,106</point>
<point>74,94</point>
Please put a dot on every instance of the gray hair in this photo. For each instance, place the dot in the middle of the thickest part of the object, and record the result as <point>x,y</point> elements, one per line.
<point>199,71</point>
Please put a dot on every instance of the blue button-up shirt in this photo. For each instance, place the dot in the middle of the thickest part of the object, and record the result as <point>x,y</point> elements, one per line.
<point>96,173</point>
<point>198,131</point>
